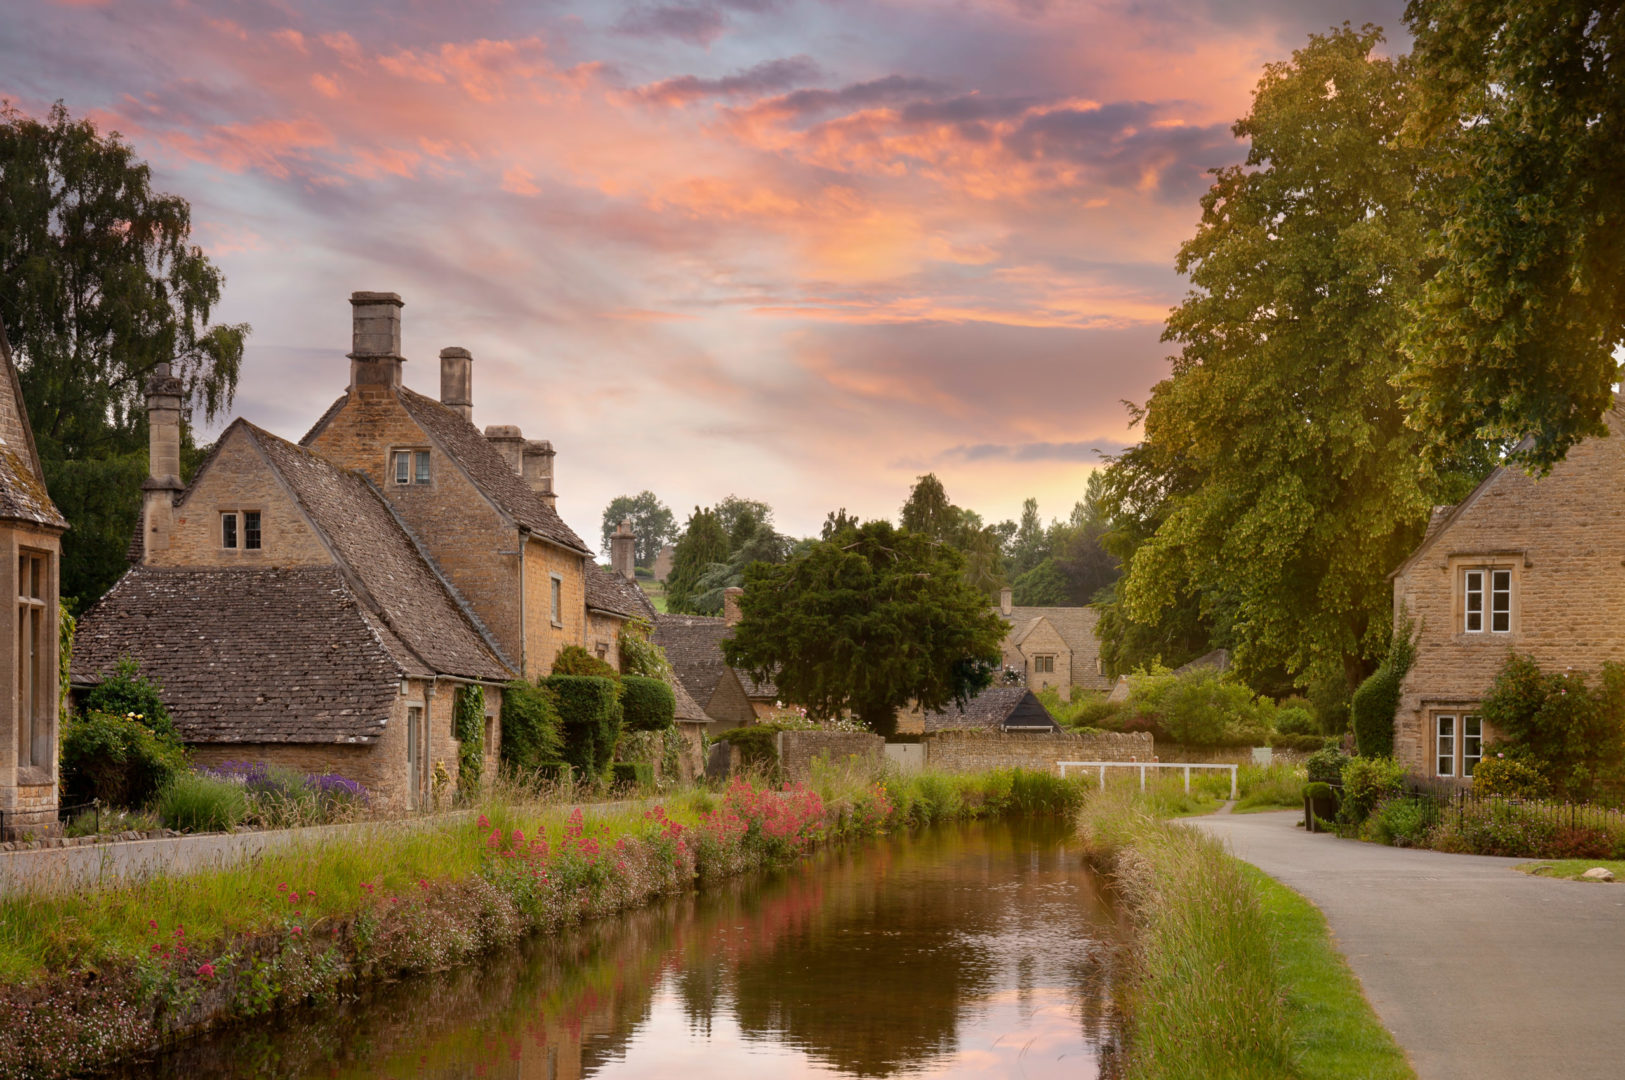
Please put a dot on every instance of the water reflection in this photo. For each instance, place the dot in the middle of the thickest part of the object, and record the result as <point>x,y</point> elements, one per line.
<point>970,951</point>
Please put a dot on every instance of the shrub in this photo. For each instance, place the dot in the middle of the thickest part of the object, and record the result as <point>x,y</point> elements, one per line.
<point>531,728</point>
<point>1579,842</point>
<point>758,746</point>
<point>117,759</point>
<point>1366,782</point>
<point>200,802</point>
<point>647,704</point>
<point>1377,699</point>
<point>640,655</point>
<point>1274,785</point>
<point>1328,691</point>
<point>634,774</point>
<point>590,709</point>
<point>468,728</point>
<point>1319,789</point>
<point>1572,733</point>
<point>1300,743</point>
<point>1509,779</point>
<point>1295,720</point>
<point>1402,821</point>
<point>574,660</point>
<point>1200,708</point>
<point>1325,766</point>
<point>1494,827</point>
<point>125,691</point>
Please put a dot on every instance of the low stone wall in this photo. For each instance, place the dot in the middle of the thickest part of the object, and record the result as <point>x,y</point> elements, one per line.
<point>1223,755</point>
<point>975,751</point>
<point>798,750</point>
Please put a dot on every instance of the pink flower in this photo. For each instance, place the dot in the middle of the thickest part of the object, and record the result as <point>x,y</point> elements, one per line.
<point>152,924</point>
<point>485,822</point>
<point>282,886</point>
<point>310,895</point>
<point>297,930</point>
<point>205,971</point>
<point>422,884</point>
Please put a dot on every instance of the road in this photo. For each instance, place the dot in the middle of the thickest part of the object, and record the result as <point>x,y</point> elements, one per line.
<point>1481,972</point>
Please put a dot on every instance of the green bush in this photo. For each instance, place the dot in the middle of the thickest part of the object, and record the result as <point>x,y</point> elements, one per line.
<point>1325,766</point>
<point>1571,732</point>
<point>1199,708</point>
<point>117,759</point>
<point>1377,699</point>
<point>640,655</point>
<point>574,660</point>
<point>195,802</point>
<point>1402,821</point>
<point>531,728</point>
<point>633,774</point>
<point>126,691</point>
<point>1509,778</point>
<point>758,746</point>
<point>1300,743</point>
<point>468,728</point>
<point>1328,691</point>
<point>1085,710</point>
<point>647,704</point>
<point>1319,790</point>
<point>1295,720</point>
<point>590,709</point>
<point>1366,782</point>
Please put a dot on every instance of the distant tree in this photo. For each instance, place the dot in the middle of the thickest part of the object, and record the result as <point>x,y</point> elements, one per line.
<point>1522,107</point>
<point>761,545</point>
<point>652,523</point>
<point>1030,545</point>
<point>703,543</point>
<point>867,623</point>
<point>98,285</point>
<point>835,523</point>
<point>930,513</point>
<point>740,517</point>
<point>1045,585</point>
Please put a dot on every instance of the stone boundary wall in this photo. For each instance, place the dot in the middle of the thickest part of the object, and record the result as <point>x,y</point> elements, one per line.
<point>1223,755</point>
<point>798,749</point>
<point>975,751</point>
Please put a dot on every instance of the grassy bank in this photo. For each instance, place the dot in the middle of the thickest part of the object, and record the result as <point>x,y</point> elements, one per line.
<point>1235,975</point>
<point>1571,869</point>
<point>88,977</point>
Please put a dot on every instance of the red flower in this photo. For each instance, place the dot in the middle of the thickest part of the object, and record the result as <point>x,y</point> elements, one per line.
<point>297,930</point>
<point>205,971</point>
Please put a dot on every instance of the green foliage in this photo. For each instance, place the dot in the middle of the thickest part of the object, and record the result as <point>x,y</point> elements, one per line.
<point>195,802</point>
<point>837,522</point>
<point>1276,526</point>
<point>1269,786</point>
<point>532,734</point>
<point>1085,710</point>
<point>102,286</point>
<point>640,655</point>
<point>1325,766</point>
<point>704,542</point>
<point>1366,782</point>
<point>575,660</point>
<point>1282,741</point>
<point>1509,778</point>
<point>1523,108</point>
<point>867,623</point>
<point>1571,732</point>
<point>117,759</point>
<point>67,626</point>
<point>1066,562</point>
<point>468,728</point>
<point>1377,699</point>
<point>1295,720</point>
<point>125,691</point>
<point>638,775</point>
<point>757,745</point>
<point>1328,693</point>
<point>647,704</point>
<point>652,524</point>
<point>1199,708</point>
<point>1042,586</point>
<point>590,708</point>
<point>1402,821</point>
<point>930,513</point>
<point>1318,789</point>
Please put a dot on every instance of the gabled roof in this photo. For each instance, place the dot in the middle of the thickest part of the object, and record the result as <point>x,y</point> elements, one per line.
<point>1076,625</point>
<point>687,708</point>
<point>693,644</point>
<point>1218,660</point>
<point>22,482</point>
<point>612,594</point>
<point>998,708</point>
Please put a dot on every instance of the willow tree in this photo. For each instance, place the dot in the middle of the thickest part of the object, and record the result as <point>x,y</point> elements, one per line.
<point>1294,483</point>
<point>1523,106</point>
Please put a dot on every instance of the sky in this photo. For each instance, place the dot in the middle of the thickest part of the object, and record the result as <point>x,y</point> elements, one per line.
<point>801,251</point>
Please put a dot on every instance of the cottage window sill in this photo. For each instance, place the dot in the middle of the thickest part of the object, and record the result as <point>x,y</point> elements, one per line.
<point>557,625</point>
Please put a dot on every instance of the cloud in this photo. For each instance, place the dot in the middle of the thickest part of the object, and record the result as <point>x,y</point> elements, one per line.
<point>1034,451</point>
<point>770,76</point>
<point>697,24</point>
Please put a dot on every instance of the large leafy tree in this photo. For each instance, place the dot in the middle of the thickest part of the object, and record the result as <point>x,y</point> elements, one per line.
<point>867,622</point>
<point>703,543</point>
<point>1281,520</point>
<point>99,284</point>
<point>652,524</point>
<point>1522,104</point>
<point>930,513</point>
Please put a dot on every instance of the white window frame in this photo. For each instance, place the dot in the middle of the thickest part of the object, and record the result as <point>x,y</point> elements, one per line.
<point>401,464</point>
<point>1472,601</point>
<point>420,467</point>
<point>1444,745</point>
<point>1472,731</point>
<point>1500,601</point>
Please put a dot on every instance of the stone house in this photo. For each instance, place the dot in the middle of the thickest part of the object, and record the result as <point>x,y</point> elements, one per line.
<point>316,604</point>
<point>693,644</point>
<point>1519,565</point>
<point>1007,709</point>
<point>1054,646</point>
<point>30,564</point>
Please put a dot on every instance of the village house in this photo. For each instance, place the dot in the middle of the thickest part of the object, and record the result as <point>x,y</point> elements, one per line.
<point>30,557</point>
<point>1053,647</point>
<point>1519,565</point>
<point>1002,709</point>
<point>693,644</point>
<point>317,604</point>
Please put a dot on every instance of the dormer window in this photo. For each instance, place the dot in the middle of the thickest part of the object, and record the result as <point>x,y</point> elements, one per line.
<point>411,466</point>
<point>240,530</point>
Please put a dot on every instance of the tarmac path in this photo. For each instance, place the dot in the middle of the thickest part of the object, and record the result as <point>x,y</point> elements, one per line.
<point>1480,972</point>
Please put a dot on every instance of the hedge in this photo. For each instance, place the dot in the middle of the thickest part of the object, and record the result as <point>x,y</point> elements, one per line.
<point>1377,699</point>
<point>531,736</point>
<point>638,774</point>
<point>647,704</point>
<point>590,708</point>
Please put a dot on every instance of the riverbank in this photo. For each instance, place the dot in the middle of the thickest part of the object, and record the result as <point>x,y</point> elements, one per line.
<point>88,978</point>
<point>1234,974</point>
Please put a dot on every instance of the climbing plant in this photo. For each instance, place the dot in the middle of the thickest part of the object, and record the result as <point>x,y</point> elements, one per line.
<point>468,724</point>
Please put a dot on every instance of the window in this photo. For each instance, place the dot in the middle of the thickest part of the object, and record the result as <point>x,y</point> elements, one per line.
<point>420,466</point>
<point>35,684</point>
<point>557,608</point>
<point>228,530</point>
<point>1474,585</point>
<point>1472,743</point>
<point>1500,601</point>
<point>251,530</point>
<point>403,466</point>
<point>414,733</point>
<point>1043,664</point>
<point>1475,603</point>
<point>247,537</point>
<point>1459,743</point>
<point>410,466</point>
<point>1446,744</point>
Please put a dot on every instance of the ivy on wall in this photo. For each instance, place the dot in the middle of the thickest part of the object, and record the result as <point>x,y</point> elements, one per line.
<point>468,724</point>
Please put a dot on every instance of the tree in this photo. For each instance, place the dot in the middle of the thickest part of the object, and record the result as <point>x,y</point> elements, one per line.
<point>1281,521</point>
<point>703,543</point>
<point>1030,546</point>
<point>740,517</point>
<point>98,285</point>
<point>1523,107</point>
<point>929,512</point>
<point>652,524</point>
<point>867,623</point>
<point>837,522</point>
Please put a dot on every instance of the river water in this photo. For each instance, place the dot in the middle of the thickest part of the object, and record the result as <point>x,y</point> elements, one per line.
<point>974,950</point>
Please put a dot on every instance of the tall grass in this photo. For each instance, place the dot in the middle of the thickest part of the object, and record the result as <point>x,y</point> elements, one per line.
<point>198,802</point>
<point>1270,787</point>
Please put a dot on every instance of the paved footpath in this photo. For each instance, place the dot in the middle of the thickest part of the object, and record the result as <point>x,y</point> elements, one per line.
<point>1481,972</point>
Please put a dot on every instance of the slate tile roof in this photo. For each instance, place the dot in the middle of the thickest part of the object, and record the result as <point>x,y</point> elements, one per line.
<point>687,708</point>
<point>22,483</point>
<point>998,708</point>
<point>1076,625</point>
<point>609,592</point>
<point>250,655</point>
<point>693,644</point>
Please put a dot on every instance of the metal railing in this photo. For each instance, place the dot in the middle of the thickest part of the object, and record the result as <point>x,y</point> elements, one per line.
<point>1144,765</point>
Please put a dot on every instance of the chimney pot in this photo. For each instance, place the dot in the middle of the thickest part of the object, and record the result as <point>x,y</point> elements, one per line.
<point>375,340</point>
<point>730,605</point>
<point>457,380</point>
<point>623,545</point>
<point>507,441</point>
<point>1005,605</point>
<point>538,469</point>
<point>163,461</point>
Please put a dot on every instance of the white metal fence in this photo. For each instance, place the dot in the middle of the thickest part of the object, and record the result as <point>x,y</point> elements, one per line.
<point>1144,765</point>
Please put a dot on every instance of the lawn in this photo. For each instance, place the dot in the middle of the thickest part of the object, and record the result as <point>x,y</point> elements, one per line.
<point>1572,868</point>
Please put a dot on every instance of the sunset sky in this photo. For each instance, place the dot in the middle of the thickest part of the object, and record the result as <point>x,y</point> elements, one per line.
<point>800,250</point>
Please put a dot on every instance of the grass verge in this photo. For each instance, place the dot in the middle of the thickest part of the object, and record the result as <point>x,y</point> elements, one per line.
<point>1234,975</point>
<point>1571,869</point>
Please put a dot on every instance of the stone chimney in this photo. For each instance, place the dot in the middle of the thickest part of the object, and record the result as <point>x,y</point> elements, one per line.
<point>507,441</point>
<point>375,342</point>
<point>457,381</point>
<point>538,471</point>
<point>730,604</point>
<point>623,545</point>
<point>163,482</point>
<point>1005,607</point>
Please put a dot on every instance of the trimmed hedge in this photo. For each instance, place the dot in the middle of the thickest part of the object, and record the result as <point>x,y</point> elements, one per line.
<point>647,704</point>
<point>1377,699</point>
<point>1303,743</point>
<point>638,774</point>
<point>531,735</point>
<point>590,708</point>
<point>574,660</point>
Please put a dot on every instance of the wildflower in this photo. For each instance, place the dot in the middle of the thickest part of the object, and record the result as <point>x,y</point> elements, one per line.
<point>297,930</point>
<point>422,884</point>
<point>282,886</point>
<point>152,924</point>
<point>310,894</point>
<point>205,971</point>
<point>485,822</point>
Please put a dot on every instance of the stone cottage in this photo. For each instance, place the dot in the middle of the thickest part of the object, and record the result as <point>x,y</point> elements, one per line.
<point>317,604</point>
<point>30,562</point>
<point>693,644</point>
<point>1002,709</point>
<point>1520,565</point>
<point>1053,646</point>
